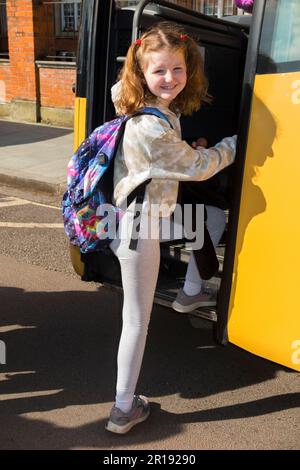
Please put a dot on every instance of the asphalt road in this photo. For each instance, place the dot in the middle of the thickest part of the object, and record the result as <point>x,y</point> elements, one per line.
<point>60,337</point>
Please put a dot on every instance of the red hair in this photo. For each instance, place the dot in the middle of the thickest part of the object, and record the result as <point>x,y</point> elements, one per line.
<point>135,93</point>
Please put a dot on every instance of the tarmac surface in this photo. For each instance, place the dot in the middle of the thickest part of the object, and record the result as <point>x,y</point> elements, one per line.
<point>34,156</point>
<point>57,384</point>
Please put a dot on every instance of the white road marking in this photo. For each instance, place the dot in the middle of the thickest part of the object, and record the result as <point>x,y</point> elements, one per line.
<point>6,328</point>
<point>31,394</point>
<point>15,201</point>
<point>43,205</point>
<point>8,375</point>
<point>29,225</point>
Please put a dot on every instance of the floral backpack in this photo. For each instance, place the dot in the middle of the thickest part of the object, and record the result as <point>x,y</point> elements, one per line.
<point>90,186</point>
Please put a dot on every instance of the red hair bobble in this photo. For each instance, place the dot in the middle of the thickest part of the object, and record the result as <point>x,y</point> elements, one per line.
<point>183,37</point>
<point>138,42</point>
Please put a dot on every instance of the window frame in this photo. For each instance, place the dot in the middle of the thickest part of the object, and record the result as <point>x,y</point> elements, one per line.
<point>208,7</point>
<point>3,20</point>
<point>266,62</point>
<point>59,19</point>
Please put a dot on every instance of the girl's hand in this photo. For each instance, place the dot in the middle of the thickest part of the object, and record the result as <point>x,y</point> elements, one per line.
<point>201,142</point>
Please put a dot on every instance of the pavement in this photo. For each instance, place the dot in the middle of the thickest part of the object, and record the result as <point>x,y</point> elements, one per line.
<point>34,156</point>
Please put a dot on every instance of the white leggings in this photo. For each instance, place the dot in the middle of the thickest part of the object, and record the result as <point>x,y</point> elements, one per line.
<point>139,277</point>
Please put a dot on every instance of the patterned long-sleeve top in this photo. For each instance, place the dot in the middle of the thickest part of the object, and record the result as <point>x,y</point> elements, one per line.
<point>152,149</point>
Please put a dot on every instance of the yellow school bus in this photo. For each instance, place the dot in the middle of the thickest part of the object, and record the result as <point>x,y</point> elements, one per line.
<point>253,68</point>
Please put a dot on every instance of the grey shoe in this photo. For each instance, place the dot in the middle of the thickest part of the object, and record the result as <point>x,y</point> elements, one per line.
<point>120,422</point>
<point>187,303</point>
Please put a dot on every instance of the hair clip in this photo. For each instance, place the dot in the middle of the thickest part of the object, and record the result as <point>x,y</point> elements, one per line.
<point>138,42</point>
<point>183,37</point>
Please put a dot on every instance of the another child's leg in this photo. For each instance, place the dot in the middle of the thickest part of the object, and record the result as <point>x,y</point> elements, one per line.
<point>216,222</point>
<point>139,277</point>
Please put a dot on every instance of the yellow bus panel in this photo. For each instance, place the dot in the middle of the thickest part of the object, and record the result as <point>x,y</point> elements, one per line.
<point>79,121</point>
<point>264,310</point>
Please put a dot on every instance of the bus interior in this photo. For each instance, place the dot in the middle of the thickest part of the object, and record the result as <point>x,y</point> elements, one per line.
<point>223,46</point>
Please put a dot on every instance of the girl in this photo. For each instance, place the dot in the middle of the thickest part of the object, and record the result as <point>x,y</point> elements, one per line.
<point>162,69</point>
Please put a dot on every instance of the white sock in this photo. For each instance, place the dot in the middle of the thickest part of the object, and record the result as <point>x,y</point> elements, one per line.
<point>192,288</point>
<point>124,404</point>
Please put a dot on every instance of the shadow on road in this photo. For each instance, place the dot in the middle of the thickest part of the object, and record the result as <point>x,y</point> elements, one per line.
<point>65,343</point>
<point>17,133</point>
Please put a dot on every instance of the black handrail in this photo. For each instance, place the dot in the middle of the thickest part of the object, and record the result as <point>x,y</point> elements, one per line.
<point>196,15</point>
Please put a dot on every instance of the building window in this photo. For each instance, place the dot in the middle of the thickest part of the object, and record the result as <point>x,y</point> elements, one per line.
<point>222,8</point>
<point>68,18</point>
<point>229,8</point>
<point>3,31</point>
<point>3,19</point>
<point>126,3</point>
<point>208,7</point>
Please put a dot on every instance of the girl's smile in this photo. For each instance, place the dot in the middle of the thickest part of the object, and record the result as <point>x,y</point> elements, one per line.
<point>165,74</point>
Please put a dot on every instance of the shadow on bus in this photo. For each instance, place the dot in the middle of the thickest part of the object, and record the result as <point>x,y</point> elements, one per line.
<point>253,202</point>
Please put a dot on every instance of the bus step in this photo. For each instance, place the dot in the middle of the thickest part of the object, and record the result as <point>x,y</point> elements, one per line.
<point>178,252</point>
<point>165,297</point>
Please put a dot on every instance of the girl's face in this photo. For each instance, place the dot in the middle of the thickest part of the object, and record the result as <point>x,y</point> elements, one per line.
<point>165,74</point>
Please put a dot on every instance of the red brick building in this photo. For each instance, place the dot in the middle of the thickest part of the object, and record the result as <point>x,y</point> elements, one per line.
<point>38,41</point>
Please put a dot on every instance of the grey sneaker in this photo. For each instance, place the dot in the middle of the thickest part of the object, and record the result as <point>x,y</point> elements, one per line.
<point>187,303</point>
<point>120,422</point>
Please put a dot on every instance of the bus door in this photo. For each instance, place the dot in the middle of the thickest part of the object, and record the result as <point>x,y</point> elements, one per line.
<point>102,48</point>
<point>261,271</point>
<point>258,305</point>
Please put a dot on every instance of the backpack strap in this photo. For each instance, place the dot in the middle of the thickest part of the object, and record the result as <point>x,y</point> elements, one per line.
<point>154,112</point>
<point>138,194</point>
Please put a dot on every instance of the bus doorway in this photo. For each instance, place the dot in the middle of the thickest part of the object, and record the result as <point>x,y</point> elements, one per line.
<point>246,74</point>
<point>222,46</point>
